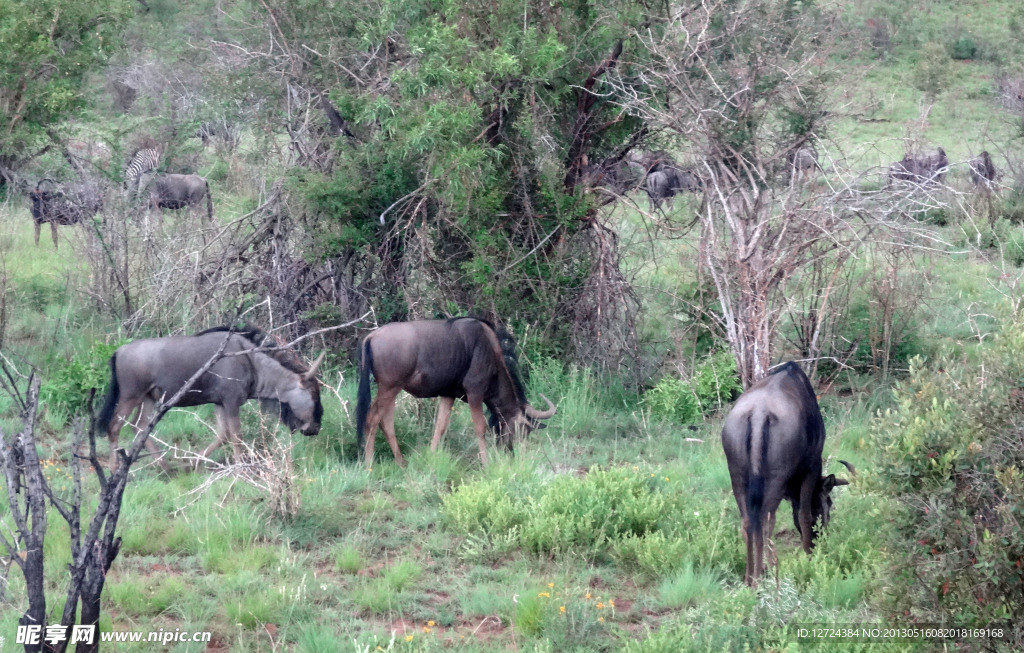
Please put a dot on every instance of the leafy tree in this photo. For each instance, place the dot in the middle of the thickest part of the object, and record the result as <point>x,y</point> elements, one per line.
<point>47,50</point>
<point>442,149</point>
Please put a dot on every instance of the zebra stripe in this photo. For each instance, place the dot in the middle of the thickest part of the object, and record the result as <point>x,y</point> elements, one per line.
<point>145,160</point>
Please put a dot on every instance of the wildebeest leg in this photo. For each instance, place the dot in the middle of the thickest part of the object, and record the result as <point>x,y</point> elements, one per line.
<point>39,227</point>
<point>234,430</point>
<point>444,413</point>
<point>140,423</point>
<point>124,408</point>
<point>476,411</point>
<point>739,490</point>
<point>387,420</point>
<point>222,432</point>
<point>773,559</point>
<point>383,406</point>
<point>53,233</point>
<point>804,516</point>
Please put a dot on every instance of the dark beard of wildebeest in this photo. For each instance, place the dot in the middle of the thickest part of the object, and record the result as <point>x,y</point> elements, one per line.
<point>65,205</point>
<point>460,358</point>
<point>170,191</point>
<point>144,372</point>
<point>773,439</point>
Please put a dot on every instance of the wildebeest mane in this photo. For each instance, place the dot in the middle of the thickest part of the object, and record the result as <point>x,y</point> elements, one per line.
<point>258,338</point>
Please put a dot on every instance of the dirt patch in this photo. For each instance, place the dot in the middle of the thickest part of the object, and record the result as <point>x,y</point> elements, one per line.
<point>217,645</point>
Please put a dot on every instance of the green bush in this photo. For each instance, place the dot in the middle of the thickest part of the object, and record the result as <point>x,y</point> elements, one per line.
<point>712,385</point>
<point>68,382</point>
<point>963,48</point>
<point>1014,246</point>
<point>950,457</point>
<point>672,399</point>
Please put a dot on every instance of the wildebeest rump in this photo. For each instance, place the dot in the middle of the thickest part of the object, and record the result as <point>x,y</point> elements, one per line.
<point>773,439</point>
<point>146,371</point>
<point>983,171</point>
<point>920,170</point>
<point>171,191</point>
<point>460,358</point>
<point>63,205</point>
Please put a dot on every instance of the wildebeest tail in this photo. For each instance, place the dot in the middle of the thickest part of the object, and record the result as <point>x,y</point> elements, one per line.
<point>363,398</point>
<point>110,401</point>
<point>757,445</point>
<point>209,203</point>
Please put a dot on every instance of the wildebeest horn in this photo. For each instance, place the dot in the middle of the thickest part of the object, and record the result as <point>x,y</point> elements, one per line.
<point>312,368</point>
<point>540,414</point>
<point>853,472</point>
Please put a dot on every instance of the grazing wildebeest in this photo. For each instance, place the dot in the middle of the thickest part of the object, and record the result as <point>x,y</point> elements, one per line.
<point>664,183</point>
<point>773,439</point>
<point>63,205</point>
<point>983,171</point>
<point>802,161</point>
<point>146,371</point>
<point>172,191</point>
<point>460,358</point>
<point>920,170</point>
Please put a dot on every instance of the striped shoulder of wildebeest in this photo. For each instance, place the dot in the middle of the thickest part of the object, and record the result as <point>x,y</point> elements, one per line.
<point>150,370</point>
<point>460,358</point>
<point>773,439</point>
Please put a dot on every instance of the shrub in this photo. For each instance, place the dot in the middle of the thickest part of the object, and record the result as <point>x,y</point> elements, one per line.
<point>963,48</point>
<point>714,382</point>
<point>69,382</point>
<point>950,456</point>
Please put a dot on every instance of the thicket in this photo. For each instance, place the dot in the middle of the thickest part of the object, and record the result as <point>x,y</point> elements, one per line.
<point>950,456</point>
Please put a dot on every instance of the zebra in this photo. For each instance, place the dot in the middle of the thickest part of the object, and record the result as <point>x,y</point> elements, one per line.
<point>145,160</point>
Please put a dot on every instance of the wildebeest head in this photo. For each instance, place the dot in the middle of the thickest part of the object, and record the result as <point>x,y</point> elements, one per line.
<point>299,407</point>
<point>821,501</point>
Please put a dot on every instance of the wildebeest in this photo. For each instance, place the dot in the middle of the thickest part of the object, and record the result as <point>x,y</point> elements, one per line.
<point>802,162</point>
<point>773,439</point>
<point>460,358</point>
<point>983,171</point>
<point>63,205</point>
<point>920,170</point>
<point>664,183</point>
<point>172,191</point>
<point>146,371</point>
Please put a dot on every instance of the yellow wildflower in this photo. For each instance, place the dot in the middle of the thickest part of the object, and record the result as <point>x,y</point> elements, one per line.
<point>601,619</point>
<point>431,623</point>
<point>551,584</point>
<point>426,629</point>
<point>611,604</point>
<point>561,609</point>
<point>544,594</point>
<point>587,596</point>
<point>408,638</point>
<point>600,605</point>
